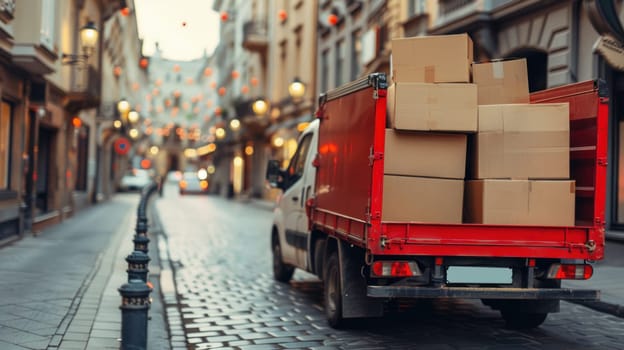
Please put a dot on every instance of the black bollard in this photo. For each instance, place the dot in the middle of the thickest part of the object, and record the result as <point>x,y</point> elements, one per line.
<point>137,266</point>
<point>141,243</point>
<point>141,226</point>
<point>134,306</point>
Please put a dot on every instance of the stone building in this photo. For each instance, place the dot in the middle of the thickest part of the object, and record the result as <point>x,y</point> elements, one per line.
<point>50,84</point>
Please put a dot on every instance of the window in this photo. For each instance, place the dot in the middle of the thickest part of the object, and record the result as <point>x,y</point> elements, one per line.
<point>416,7</point>
<point>48,16</point>
<point>297,164</point>
<point>325,71</point>
<point>340,61</point>
<point>5,144</point>
<point>356,49</point>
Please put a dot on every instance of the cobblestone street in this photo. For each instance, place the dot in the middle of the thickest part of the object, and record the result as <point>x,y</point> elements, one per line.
<point>227,297</point>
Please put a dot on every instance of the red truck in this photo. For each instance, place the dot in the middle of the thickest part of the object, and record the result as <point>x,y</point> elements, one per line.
<point>328,220</point>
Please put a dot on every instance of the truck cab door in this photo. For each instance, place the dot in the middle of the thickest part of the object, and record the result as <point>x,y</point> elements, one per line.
<point>293,205</point>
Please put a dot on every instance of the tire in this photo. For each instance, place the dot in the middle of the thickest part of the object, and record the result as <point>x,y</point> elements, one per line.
<point>523,320</point>
<point>332,292</point>
<point>319,254</point>
<point>282,272</point>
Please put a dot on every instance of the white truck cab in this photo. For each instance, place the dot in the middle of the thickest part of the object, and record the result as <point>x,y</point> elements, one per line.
<point>290,233</point>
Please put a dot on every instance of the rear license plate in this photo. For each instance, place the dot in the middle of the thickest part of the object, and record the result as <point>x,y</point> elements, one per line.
<point>482,275</point>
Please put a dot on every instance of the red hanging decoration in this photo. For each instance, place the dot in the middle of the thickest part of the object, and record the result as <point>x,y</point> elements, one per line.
<point>218,111</point>
<point>332,19</point>
<point>254,81</point>
<point>282,15</point>
<point>213,84</point>
<point>125,11</point>
<point>207,72</point>
<point>176,68</point>
<point>244,89</point>
<point>224,16</point>
<point>234,74</point>
<point>222,91</point>
<point>117,71</point>
<point>143,63</point>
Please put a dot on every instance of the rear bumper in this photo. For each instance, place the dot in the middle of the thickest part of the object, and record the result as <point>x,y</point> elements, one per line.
<point>483,293</point>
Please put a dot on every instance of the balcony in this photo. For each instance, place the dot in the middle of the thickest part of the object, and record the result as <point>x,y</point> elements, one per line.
<point>85,89</point>
<point>461,15</point>
<point>255,36</point>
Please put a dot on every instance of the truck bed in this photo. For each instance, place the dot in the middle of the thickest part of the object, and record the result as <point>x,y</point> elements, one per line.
<point>348,202</point>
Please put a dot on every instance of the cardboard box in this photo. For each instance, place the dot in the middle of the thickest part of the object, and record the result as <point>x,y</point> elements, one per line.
<point>432,59</point>
<point>433,107</point>
<point>501,82</point>
<point>425,154</point>
<point>421,199</point>
<point>520,202</point>
<point>522,142</point>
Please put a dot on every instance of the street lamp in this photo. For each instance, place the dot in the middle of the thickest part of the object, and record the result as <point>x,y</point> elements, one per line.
<point>134,133</point>
<point>123,107</point>
<point>133,116</point>
<point>88,38</point>
<point>296,89</point>
<point>234,124</point>
<point>260,107</point>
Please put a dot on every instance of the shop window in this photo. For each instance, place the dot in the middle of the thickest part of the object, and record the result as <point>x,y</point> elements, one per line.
<point>5,144</point>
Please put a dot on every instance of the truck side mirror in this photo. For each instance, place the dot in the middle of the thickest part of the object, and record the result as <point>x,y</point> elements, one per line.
<point>274,174</point>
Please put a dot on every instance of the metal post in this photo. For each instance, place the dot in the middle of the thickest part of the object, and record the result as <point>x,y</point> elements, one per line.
<point>137,266</point>
<point>134,305</point>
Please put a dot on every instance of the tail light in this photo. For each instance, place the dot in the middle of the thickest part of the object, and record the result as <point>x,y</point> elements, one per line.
<point>395,269</point>
<point>570,272</point>
<point>182,184</point>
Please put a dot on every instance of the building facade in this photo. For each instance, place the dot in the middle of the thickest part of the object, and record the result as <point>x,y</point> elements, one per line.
<point>50,86</point>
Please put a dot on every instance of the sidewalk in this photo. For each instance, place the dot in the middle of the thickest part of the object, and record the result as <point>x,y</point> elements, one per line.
<point>59,289</point>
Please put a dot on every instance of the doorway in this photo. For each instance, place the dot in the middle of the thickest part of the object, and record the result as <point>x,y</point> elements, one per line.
<point>537,67</point>
<point>43,167</point>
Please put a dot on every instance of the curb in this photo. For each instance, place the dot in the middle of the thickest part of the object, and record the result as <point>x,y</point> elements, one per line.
<point>608,308</point>
<point>614,236</point>
<point>168,291</point>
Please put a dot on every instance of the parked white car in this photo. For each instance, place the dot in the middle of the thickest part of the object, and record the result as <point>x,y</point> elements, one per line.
<point>135,180</point>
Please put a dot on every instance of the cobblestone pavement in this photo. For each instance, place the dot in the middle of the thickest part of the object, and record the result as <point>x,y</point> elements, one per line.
<point>226,297</point>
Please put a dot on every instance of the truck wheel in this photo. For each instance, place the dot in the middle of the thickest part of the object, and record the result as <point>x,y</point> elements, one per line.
<point>523,320</point>
<point>281,271</point>
<point>319,253</point>
<point>332,292</point>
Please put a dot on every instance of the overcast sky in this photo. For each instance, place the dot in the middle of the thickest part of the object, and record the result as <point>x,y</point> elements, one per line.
<point>183,28</point>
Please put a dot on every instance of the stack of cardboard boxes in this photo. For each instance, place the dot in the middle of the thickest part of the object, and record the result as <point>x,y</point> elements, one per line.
<point>432,106</point>
<point>446,117</point>
<point>520,156</point>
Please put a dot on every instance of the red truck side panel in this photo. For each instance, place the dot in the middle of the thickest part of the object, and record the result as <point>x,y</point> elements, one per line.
<point>343,178</point>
